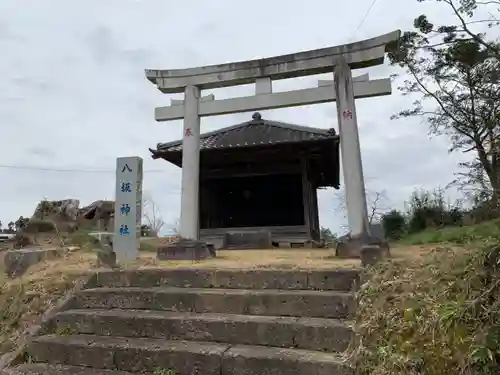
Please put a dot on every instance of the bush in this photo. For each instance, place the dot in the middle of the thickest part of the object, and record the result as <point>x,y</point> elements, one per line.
<point>437,316</point>
<point>327,235</point>
<point>40,226</point>
<point>457,235</point>
<point>429,210</point>
<point>394,224</point>
<point>83,240</point>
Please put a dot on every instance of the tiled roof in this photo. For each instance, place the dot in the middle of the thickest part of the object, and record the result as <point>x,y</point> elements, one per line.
<point>255,132</point>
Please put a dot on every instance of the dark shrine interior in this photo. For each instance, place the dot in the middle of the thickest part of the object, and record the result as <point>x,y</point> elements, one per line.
<point>253,201</point>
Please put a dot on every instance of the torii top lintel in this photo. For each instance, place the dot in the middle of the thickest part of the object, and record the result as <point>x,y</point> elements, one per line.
<point>361,54</point>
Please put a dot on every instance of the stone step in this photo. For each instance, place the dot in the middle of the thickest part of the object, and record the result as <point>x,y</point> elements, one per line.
<point>182,357</point>
<point>335,279</point>
<point>298,303</point>
<point>47,369</point>
<point>328,335</point>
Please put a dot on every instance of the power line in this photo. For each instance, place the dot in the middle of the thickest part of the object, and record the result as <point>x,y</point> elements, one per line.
<point>365,16</point>
<point>70,170</point>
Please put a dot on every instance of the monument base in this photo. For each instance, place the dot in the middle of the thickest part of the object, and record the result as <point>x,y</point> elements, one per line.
<point>106,258</point>
<point>352,247</point>
<point>186,249</point>
<point>105,254</point>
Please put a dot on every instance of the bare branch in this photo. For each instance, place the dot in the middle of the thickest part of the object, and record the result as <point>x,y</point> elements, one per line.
<point>376,201</point>
<point>152,214</point>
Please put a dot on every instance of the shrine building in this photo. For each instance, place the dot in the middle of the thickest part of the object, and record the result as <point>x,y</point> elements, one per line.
<point>259,182</point>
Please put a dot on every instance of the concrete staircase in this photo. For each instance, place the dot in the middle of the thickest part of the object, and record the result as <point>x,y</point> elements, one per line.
<point>188,322</point>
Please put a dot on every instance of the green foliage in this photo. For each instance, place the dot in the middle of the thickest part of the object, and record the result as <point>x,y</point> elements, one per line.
<point>425,210</point>
<point>436,316</point>
<point>147,246</point>
<point>460,235</point>
<point>35,225</point>
<point>83,240</point>
<point>327,235</point>
<point>394,224</point>
<point>454,71</point>
<point>65,331</point>
<point>428,209</point>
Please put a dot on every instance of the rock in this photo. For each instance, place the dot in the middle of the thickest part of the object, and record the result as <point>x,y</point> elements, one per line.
<point>62,213</point>
<point>36,225</point>
<point>64,210</point>
<point>106,258</point>
<point>68,217</point>
<point>21,240</point>
<point>98,215</point>
<point>371,255</point>
<point>18,261</point>
<point>105,254</point>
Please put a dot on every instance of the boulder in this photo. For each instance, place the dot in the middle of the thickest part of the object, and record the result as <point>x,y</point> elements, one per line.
<point>34,226</point>
<point>62,214</point>
<point>64,210</point>
<point>97,216</point>
<point>21,240</point>
<point>17,262</point>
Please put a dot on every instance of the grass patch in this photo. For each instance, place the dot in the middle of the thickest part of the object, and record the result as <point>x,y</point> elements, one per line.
<point>461,235</point>
<point>82,239</point>
<point>436,315</point>
<point>147,246</point>
<point>24,300</point>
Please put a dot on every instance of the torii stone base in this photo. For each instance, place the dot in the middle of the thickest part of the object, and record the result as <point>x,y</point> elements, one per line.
<point>352,247</point>
<point>186,249</point>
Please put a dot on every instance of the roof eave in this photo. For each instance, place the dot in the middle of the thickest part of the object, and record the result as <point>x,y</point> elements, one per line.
<point>158,152</point>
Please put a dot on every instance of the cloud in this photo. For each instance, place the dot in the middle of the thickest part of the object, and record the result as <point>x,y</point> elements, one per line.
<point>74,95</point>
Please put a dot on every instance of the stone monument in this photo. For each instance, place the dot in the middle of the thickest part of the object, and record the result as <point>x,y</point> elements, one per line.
<point>128,208</point>
<point>344,90</point>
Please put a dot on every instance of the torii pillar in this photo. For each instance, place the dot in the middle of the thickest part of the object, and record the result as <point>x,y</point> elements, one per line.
<point>189,220</point>
<point>352,166</point>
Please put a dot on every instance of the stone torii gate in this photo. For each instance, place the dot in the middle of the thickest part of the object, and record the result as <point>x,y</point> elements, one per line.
<point>262,72</point>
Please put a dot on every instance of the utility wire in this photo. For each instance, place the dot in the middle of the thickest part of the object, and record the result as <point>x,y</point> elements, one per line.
<point>365,16</point>
<point>75,170</point>
<point>71,170</point>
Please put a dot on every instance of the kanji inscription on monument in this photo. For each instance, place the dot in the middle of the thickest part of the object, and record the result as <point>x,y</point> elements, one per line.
<point>128,208</point>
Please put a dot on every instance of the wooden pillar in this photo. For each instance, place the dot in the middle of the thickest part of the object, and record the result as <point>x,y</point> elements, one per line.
<point>315,212</point>
<point>305,195</point>
<point>311,208</point>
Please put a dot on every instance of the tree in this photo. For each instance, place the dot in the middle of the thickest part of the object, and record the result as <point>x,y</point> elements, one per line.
<point>376,202</point>
<point>327,235</point>
<point>394,224</point>
<point>152,215</point>
<point>456,70</point>
<point>11,226</point>
<point>376,205</point>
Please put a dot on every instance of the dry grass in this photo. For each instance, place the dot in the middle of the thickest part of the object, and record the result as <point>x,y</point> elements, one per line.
<point>242,259</point>
<point>435,315</point>
<point>24,300</point>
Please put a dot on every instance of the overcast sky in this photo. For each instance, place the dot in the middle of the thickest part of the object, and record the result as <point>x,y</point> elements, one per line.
<point>73,94</point>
